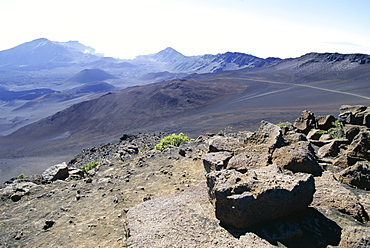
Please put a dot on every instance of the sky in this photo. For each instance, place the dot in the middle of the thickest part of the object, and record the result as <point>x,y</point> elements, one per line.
<point>125,29</point>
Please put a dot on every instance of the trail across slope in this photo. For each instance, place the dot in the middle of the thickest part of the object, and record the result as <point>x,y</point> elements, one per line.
<point>296,84</point>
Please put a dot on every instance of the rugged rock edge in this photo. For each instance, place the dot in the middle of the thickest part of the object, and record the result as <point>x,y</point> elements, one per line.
<point>138,197</point>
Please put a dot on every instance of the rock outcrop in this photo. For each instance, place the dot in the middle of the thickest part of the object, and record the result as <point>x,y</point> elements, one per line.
<point>242,200</point>
<point>182,220</point>
<point>300,185</point>
<point>357,175</point>
<point>298,157</point>
<point>249,190</point>
<point>355,237</point>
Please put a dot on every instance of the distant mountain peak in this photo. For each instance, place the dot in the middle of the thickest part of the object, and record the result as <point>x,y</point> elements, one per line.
<point>168,55</point>
<point>36,43</point>
<point>169,49</point>
<point>91,75</point>
<point>42,53</point>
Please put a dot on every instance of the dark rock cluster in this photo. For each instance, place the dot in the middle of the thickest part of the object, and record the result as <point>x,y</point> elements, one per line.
<point>305,167</point>
<point>304,184</point>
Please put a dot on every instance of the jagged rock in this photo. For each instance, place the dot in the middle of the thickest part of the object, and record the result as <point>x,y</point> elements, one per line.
<point>262,194</point>
<point>298,157</point>
<point>128,148</point>
<point>215,160</point>
<point>353,237</point>
<point>295,137</point>
<point>48,224</point>
<point>55,172</point>
<point>268,135</point>
<point>326,136</point>
<point>346,117</point>
<point>352,108</point>
<point>350,131</point>
<point>345,161</point>
<point>305,122</point>
<point>306,229</point>
<point>74,172</point>
<point>360,146</point>
<point>228,144</point>
<point>250,157</point>
<point>330,192</point>
<point>364,199</point>
<point>357,175</point>
<point>367,119</point>
<point>182,220</point>
<point>324,122</point>
<point>187,219</point>
<point>329,150</point>
<point>362,118</point>
<point>314,134</point>
<point>357,114</point>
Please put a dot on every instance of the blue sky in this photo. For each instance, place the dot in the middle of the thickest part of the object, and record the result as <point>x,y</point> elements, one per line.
<point>124,29</point>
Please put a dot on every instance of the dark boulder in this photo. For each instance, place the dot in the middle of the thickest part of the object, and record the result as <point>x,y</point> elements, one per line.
<point>352,108</point>
<point>360,146</point>
<point>305,122</point>
<point>250,157</point>
<point>228,144</point>
<point>329,150</point>
<point>325,122</point>
<point>345,161</point>
<point>357,175</point>
<point>263,194</point>
<point>268,135</point>
<point>56,172</point>
<point>215,160</point>
<point>298,157</point>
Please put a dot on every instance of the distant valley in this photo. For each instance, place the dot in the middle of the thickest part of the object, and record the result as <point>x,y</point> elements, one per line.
<point>72,72</point>
<point>96,99</point>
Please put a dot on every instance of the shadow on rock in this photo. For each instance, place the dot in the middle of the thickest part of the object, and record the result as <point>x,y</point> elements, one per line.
<point>305,229</point>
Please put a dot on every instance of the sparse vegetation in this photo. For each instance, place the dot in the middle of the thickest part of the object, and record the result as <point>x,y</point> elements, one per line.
<point>284,124</point>
<point>21,176</point>
<point>336,132</point>
<point>173,140</point>
<point>225,130</point>
<point>90,165</point>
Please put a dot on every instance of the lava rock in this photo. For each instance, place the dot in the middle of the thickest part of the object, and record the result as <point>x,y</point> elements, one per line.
<point>215,160</point>
<point>263,194</point>
<point>298,157</point>
<point>305,122</point>
<point>55,172</point>
<point>357,175</point>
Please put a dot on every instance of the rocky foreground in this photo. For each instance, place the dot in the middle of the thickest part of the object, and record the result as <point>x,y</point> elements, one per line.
<point>305,184</point>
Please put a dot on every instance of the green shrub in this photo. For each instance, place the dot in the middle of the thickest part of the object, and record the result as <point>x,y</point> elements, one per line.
<point>336,132</point>
<point>90,165</point>
<point>21,176</point>
<point>173,140</point>
<point>225,130</point>
<point>284,124</point>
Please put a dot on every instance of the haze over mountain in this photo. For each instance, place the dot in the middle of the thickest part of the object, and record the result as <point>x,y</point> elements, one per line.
<point>52,62</point>
<point>196,104</point>
<point>61,68</point>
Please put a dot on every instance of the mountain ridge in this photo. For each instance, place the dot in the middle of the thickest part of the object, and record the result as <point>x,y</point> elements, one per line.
<point>53,65</point>
<point>193,104</point>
